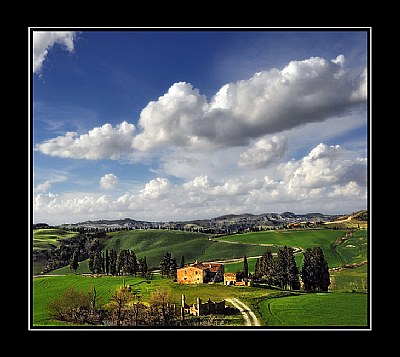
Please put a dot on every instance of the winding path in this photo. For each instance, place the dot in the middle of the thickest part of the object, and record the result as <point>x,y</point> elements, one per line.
<point>250,319</point>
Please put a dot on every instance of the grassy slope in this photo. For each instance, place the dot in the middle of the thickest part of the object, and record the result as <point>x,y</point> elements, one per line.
<point>354,250</point>
<point>349,279</point>
<point>154,243</point>
<point>295,238</point>
<point>48,238</point>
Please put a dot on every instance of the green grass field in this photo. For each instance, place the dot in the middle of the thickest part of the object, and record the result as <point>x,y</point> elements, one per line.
<point>316,310</point>
<point>48,238</point>
<point>329,309</point>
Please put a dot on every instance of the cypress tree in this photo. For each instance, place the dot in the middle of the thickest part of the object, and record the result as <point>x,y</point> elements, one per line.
<point>74,264</point>
<point>173,267</point>
<point>287,273</point>
<point>107,259</point>
<point>245,268</point>
<point>182,264</point>
<point>143,267</point>
<point>113,262</point>
<point>165,264</point>
<point>315,270</point>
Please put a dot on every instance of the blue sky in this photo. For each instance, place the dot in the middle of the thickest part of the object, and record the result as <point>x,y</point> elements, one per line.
<point>170,125</point>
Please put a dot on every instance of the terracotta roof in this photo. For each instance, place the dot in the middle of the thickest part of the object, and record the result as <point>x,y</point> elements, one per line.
<point>212,267</point>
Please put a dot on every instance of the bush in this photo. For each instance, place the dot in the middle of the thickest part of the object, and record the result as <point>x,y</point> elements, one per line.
<point>75,306</point>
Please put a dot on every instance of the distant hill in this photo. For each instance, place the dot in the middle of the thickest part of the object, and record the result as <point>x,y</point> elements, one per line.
<point>231,223</point>
<point>357,219</point>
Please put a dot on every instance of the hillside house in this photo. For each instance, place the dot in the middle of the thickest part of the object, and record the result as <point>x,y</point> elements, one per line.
<point>232,279</point>
<point>200,273</point>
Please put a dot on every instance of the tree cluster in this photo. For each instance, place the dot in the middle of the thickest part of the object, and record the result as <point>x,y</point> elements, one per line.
<point>82,246</point>
<point>112,263</point>
<point>283,271</point>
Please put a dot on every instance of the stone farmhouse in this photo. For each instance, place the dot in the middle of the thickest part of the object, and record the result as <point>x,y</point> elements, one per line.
<point>232,279</point>
<point>200,273</point>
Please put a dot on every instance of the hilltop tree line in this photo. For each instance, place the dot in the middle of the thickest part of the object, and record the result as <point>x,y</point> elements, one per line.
<point>283,271</point>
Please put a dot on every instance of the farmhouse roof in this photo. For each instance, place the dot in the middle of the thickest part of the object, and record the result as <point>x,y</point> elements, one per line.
<point>212,267</point>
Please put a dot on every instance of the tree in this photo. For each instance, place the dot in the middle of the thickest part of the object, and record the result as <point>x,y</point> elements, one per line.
<point>182,264</point>
<point>119,301</point>
<point>286,271</point>
<point>245,268</point>
<point>103,262</point>
<point>113,262</point>
<point>165,265</point>
<point>74,306</point>
<point>107,262</point>
<point>98,262</point>
<point>161,308</point>
<point>74,264</point>
<point>315,270</point>
<point>173,267</point>
<point>265,268</point>
<point>91,262</point>
<point>143,267</point>
<point>133,267</point>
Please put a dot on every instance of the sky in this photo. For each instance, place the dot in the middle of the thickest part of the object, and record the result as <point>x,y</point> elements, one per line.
<point>163,125</point>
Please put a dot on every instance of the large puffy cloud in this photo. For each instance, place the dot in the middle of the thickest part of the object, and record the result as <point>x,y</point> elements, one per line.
<point>307,91</point>
<point>325,166</point>
<point>44,40</point>
<point>271,101</point>
<point>171,119</point>
<point>105,142</point>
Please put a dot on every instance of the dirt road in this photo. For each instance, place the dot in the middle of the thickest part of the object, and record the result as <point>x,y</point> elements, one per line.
<point>250,319</point>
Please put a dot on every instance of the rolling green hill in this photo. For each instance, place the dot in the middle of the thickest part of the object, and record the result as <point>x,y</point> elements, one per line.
<point>193,246</point>
<point>304,239</point>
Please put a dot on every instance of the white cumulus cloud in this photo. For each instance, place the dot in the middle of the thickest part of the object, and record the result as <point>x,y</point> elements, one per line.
<point>271,101</point>
<point>105,142</point>
<point>108,181</point>
<point>308,91</point>
<point>313,182</point>
<point>43,41</point>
